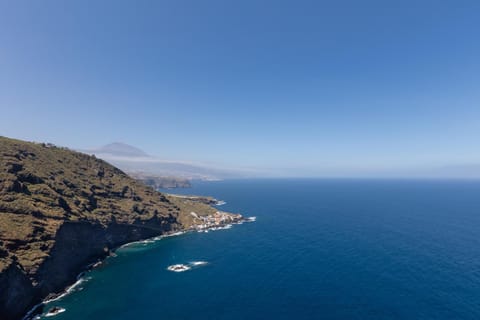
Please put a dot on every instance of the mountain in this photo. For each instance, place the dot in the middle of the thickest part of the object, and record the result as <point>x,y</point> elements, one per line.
<point>121,150</point>
<point>137,162</point>
<point>61,210</point>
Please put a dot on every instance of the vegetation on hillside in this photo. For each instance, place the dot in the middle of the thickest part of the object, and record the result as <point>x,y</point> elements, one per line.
<point>43,186</point>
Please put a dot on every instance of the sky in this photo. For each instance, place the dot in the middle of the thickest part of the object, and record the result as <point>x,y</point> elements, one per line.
<point>297,88</point>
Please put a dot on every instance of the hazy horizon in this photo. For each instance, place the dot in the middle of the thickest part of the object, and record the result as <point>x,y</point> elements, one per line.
<point>271,89</point>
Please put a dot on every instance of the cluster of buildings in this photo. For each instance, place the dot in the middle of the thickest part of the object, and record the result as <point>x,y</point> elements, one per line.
<point>216,220</point>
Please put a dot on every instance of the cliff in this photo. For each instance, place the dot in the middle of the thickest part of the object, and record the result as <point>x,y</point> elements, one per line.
<point>61,210</point>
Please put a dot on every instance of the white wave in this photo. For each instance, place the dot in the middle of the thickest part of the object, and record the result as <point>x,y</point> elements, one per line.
<point>96,264</point>
<point>225,227</point>
<point>152,240</point>
<point>69,290</point>
<point>178,268</point>
<point>173,234</point>
<point>220,203</point>
<point>144,242</point>
<point>29,313</point>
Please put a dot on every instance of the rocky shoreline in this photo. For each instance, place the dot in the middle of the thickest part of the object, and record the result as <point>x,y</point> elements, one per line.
<point>217,221</point>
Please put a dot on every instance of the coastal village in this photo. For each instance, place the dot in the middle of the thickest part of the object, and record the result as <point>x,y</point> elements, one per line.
<point>218,220</point>
<point>215,221</point>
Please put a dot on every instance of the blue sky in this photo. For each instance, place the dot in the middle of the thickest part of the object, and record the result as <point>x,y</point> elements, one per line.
<point>320,88</point>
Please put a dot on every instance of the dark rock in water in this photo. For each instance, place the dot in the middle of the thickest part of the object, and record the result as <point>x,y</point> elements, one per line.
<point>54,311</point>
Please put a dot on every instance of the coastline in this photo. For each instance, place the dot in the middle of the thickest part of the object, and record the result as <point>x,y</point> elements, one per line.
<point>39,308</point>
<point>63,210</point>
<point>211,201</point>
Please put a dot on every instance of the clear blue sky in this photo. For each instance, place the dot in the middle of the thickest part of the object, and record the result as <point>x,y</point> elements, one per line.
<point>307,87</point>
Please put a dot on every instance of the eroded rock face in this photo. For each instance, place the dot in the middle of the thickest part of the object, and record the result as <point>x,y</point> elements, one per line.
<point>17,293</point>
<point>81,243</point>
<point>61,210</point>
<point>77,244</point>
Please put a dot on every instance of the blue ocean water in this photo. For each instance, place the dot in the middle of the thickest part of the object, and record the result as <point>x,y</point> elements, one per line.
<point>320,249</point>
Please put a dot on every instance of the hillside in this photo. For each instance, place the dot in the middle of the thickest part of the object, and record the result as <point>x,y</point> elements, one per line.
<point>61,210</point>
<point>160,182</point>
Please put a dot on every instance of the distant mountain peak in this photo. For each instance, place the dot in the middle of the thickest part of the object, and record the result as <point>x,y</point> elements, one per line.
<point>121,149</point>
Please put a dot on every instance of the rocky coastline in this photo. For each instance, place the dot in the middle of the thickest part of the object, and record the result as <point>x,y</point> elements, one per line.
<point>216,221</point>
<point>62,211</point>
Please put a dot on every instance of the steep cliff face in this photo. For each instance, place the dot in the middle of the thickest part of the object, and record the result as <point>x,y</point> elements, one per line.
<point>17,293</point>
<point>78,244</point>
<point>62,210</point>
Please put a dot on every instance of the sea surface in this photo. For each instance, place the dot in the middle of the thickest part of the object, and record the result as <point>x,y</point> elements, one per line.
<point>320,249</point>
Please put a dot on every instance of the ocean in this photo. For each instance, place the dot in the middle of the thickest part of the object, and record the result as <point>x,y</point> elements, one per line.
<point>319,249</point>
